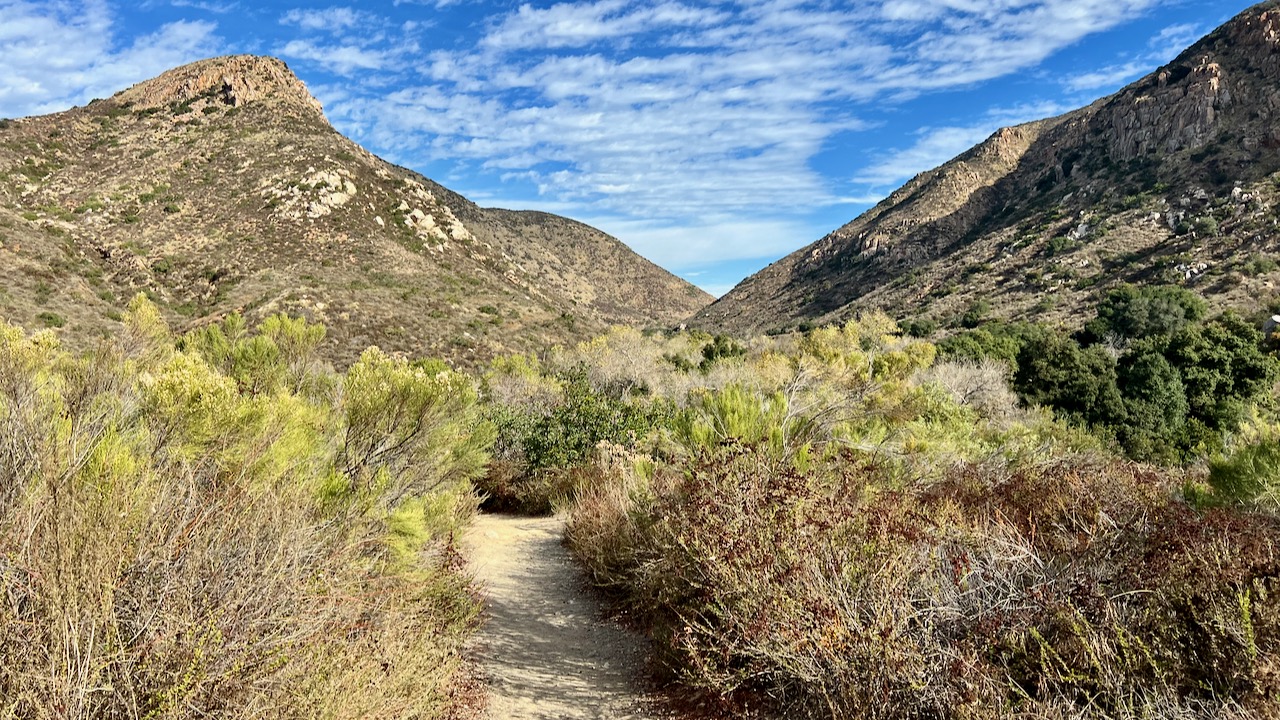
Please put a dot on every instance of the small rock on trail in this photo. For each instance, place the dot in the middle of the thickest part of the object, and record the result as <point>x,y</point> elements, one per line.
<point>546,652</point>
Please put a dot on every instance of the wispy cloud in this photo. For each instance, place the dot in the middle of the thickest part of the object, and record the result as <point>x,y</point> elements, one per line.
<point>678,110</point>
<point>1172,40</point>
<point>335,19</point>
<point>1161,48</point>
<point>694,245</point>
<point>347,41</point>
<point>1107,77</point>
<point>210,6</point>
<point>340,58</point>
<point>579,24</point>
<point>933,147</point>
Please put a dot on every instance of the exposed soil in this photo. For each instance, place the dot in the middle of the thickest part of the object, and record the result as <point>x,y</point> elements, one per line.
<point>546,650</point>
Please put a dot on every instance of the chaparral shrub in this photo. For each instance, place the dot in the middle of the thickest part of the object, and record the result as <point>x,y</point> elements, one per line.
<point>220,527</point>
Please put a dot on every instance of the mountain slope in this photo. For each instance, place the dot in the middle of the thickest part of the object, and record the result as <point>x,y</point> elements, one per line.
<point>1173,179</point>
<point>220,186</point>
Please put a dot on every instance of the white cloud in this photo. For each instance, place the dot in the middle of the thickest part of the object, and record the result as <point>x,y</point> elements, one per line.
<point>680,110</point>
<point>697,245</point>
<point>359,43</point>
<point>335,19</point>
<point>1163,47</point>
<point>1172,40</point>
<point>934,147</point>
<point>1107,77</point>
<point>954,43</point>
<point>217,8</point>
<point>344,59</point>
<point>62,53</point>
<point>577,24</point>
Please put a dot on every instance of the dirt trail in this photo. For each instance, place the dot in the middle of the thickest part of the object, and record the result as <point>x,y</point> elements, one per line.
<point>545,651</point>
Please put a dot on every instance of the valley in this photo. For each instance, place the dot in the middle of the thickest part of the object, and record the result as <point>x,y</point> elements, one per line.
<point>290,431</point>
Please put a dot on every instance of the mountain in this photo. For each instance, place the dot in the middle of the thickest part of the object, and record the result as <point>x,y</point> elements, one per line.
<point>220,186</point>
<point>1171,180</point>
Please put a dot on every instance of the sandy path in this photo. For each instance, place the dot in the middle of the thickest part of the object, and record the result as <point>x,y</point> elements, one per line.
<point>545,652</point>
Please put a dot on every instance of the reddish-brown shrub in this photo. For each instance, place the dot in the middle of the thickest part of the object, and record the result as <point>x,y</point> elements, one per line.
<point>1079,588</point>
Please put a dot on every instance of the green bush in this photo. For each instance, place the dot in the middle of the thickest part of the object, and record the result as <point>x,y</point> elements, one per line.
<point>282,353</point>
<point>542,447</point>
<point>178,543</point>
<point>1259,265</point>
<point>721,347</point>
<point>51,319</point>
<point>409,429</point>
<point>737,414</point>
<point>1250,471</point>
<point>1206,227</point>
<point>1060,245</point>
<point>975,314</point>
<point>1131,312</point>
<point>920,327</point>
<point>568,435</point>
<point>994,340</point>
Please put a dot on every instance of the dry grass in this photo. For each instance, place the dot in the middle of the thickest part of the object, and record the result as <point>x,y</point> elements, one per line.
<point>1075,589</point>
<point>173,548</point>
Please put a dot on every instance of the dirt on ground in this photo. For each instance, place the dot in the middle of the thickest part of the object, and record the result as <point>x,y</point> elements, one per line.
<point>547,651</point>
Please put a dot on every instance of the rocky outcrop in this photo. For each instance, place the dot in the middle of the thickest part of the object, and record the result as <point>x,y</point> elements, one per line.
<point>933,195</point>
<point>233,80</point>
<point>1179,112</point>
<point>1148,184</point>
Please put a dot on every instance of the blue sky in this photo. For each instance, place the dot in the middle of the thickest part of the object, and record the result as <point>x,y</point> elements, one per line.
<point>712,136</point>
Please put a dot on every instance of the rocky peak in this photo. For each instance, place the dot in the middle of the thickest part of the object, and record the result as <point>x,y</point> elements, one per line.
<point>232,80</point>
<point>1257,30</point>
<point>1173,175</point>
<point>931,195</point>
<point>1181,106</point>
<point>1006,145</point>
<point>1179,110</point>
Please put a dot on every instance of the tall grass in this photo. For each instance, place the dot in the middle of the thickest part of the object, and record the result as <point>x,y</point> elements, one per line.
<point>220,527</point>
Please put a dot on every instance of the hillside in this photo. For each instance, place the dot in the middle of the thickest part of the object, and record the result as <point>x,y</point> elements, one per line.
<point>1171,180</point>
<point>220,186</point>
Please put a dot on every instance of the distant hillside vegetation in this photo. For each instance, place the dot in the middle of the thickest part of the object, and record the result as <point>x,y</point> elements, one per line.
<point>1173,179</point>
<point>220,186</point>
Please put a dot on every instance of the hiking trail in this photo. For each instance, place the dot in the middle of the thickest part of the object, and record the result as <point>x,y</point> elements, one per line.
<point>546,651</point>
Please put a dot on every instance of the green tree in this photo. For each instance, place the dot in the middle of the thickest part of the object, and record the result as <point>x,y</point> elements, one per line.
<point>1055,372</point>
<point>721,347</point>
<point>1131,312</point>
<point>1224,370</point>
<point>1155,404</point>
